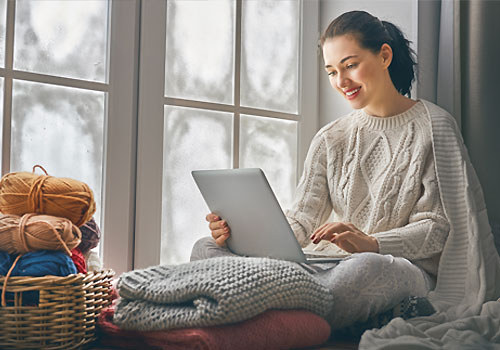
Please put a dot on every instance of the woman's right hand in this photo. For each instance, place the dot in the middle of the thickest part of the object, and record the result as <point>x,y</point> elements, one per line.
<point>219,228</point>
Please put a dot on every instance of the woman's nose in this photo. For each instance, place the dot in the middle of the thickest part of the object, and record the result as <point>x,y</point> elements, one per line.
<point>342,81</point>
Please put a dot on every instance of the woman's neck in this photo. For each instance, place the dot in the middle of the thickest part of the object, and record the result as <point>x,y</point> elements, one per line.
<point>392,103</point>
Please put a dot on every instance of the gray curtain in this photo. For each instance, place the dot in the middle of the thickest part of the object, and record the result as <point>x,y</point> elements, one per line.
<point>459,69</point>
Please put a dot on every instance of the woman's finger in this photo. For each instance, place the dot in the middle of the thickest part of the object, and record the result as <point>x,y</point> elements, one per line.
<point>217,233</point>
<point>212,217</point>
<point>218,225</point>
<point>327,231</point>
<point>319,231</point>
<point>327,234</point>
<point>221,240</point>
<point>315,237</point>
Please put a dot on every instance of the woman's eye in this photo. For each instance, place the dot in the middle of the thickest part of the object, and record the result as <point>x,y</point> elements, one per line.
<point>333,73</point>
<point>351,65</point>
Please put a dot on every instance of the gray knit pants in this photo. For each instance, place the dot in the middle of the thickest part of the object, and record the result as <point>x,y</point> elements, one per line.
<point>363,285</point>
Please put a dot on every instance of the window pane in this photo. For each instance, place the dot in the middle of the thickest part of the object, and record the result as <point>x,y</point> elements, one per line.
<point>271,144</point>
<point>3,18</point>
<point>199,54</point>
<point>63,38</point>
<point>270,54</point>
<point>61,129</point>
<point>193,139</point>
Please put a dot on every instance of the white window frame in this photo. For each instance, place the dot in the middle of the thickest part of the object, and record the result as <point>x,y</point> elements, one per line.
<point>148,205</point>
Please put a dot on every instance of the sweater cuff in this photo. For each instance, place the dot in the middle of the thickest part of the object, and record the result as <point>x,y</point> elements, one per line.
<point>389,243</point>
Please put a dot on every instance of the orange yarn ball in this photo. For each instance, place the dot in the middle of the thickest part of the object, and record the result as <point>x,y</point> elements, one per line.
<point>24,192</point>
<point>19,235</point>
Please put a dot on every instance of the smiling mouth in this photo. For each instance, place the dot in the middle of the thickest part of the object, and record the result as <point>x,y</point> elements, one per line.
<point>352,94</point>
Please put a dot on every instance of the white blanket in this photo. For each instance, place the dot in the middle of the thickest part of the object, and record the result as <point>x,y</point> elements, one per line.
<point>468,285</point>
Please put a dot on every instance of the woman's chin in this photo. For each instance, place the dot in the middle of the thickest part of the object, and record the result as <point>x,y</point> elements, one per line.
<point>357,104</point>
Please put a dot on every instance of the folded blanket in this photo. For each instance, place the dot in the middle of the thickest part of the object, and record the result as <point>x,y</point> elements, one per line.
<point>214,292</point>
<point>273,329</point>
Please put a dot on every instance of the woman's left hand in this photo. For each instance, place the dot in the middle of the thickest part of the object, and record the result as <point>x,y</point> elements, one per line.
<point>346,236</point>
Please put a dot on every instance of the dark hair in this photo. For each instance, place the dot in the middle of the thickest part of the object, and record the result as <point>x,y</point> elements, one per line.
<point>371,34</point>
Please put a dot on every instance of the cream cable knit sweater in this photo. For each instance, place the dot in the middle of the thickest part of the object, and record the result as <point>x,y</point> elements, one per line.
<point>379,174</point>
<point>468,282</point>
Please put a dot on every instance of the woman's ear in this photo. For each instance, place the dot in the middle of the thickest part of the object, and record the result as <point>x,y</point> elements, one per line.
<point>386,55</point>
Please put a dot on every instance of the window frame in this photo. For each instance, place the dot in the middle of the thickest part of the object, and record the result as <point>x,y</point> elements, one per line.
<point>147,245</point>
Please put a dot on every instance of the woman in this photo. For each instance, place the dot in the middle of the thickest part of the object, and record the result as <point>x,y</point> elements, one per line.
<point>374,170</point>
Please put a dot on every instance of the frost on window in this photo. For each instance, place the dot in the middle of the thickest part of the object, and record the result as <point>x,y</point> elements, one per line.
<point>3,18</point>
<point>199,50</point>
<point>61,129</point>
<point>270,54</point>
<point>271,144</point>
<point>62,38</point>
<point>193,139</point>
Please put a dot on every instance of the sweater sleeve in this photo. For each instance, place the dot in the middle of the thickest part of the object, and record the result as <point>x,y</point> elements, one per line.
<point>427,230</point>
<point>312,205</point>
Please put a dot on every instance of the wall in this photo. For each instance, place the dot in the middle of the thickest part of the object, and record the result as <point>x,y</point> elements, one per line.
<point>403,13</point>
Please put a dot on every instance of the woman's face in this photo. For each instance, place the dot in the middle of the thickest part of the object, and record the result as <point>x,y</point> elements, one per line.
<point>356,73</point>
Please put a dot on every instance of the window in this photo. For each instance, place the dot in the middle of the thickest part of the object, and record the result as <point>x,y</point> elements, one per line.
<point>68,77</point>
<point>78,101</point>
<point>217,118</point>
<point>55,84</point>
<point>231,75</point>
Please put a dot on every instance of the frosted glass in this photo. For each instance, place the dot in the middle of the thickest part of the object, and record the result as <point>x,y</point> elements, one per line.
<point>61,129</point>
<point>270,54</point>
<point>193,139</point>
<point>200,50</point>
<point>3,19</point>
<point>271,144</point>
<point>62,38</point>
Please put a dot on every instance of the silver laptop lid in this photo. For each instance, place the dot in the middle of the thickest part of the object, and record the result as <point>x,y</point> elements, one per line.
<point>244,198</point>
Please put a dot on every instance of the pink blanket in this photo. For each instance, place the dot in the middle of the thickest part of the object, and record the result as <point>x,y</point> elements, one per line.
<point>271,330</point>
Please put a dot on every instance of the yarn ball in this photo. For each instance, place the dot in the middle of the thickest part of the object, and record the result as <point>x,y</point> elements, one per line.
<point>23,192</point>
<point>19,235</point>
<point>44,262</point>
<point>91,235</point>
<point>79,260</point>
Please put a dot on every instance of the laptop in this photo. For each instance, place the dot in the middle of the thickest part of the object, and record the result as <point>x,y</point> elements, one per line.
<point>259,228</point>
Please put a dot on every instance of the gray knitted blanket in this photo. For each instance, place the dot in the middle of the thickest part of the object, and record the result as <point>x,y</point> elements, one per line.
<point>214,292</point>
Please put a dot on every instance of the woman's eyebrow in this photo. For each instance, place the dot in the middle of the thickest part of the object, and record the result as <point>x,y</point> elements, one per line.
<point>342,60</point>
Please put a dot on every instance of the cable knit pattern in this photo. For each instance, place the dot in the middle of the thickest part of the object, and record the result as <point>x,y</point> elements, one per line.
<point>214,292</point>
<point>379,174</point>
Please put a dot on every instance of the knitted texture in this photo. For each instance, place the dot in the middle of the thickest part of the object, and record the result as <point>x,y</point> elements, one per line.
<point>214,292</point>
<point>377,173</point>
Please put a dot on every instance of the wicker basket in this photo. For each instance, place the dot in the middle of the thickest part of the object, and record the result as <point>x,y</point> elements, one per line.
<point>66,314</point>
